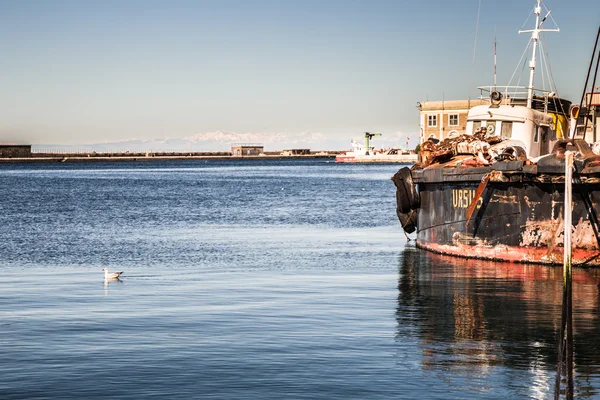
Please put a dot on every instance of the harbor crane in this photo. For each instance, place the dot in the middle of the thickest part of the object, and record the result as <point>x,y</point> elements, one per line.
<point>368,137</point>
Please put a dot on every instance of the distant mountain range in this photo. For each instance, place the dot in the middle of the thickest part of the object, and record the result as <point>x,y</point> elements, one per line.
<point>209,141</point>
<point>220,141</point>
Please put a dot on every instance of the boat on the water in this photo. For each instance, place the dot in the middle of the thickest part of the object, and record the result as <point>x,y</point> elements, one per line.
<point>366,153</point>
<point>497,192</point>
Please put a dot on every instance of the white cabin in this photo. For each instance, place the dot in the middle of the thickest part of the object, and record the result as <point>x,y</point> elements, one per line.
<point>534,129</point>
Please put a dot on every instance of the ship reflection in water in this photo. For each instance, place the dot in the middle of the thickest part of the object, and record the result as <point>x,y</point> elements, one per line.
<point>476,320</point>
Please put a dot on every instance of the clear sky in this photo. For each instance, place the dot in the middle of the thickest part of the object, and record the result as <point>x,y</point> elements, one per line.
<point>76,71</point>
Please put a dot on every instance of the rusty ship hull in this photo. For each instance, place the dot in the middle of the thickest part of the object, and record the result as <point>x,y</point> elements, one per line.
<point>497,191</point>
<point>517,217</point>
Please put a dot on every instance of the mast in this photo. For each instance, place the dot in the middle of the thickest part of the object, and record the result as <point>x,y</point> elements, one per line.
<point>535,37</point>
<point>494,58</point>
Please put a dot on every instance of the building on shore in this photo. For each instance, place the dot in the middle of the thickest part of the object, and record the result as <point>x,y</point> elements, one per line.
<point>247,149</point>
<point>295,152</point>
<point>440,119</point>
<point>592,125</point>
<point>15,150</point>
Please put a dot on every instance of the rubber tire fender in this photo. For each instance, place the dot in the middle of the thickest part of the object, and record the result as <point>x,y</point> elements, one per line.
<point>408,220</point>
<point>402,201</point>
<point>407,196</point>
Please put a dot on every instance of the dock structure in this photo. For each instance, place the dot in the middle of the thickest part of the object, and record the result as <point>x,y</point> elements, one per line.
<point>155,156</point>
<point>295,152</point>
<point>11,153</point>
<point>15,150</point>
<point>247,149</point>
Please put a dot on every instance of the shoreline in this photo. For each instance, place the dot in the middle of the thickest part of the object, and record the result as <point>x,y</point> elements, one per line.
<point>132,158</point>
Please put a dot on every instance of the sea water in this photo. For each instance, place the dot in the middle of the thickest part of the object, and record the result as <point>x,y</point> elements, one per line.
<point>261,280</point>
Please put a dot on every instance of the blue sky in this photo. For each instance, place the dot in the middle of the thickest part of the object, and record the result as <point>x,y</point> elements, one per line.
<point>97,71</point>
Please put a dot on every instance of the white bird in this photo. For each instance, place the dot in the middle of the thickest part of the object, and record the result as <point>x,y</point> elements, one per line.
<point>114,275</point>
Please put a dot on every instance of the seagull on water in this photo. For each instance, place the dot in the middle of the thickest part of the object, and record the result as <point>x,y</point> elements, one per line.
<point>114,275</point>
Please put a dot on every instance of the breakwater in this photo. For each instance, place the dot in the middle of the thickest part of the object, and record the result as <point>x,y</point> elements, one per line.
<point>150,156</point>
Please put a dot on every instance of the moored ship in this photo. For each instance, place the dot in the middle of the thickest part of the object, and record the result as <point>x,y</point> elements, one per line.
<point>366,153</point>
<point>497,192</point>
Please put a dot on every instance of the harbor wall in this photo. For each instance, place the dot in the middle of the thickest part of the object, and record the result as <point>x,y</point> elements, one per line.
<point>127,156</point>
<point>12,151</point>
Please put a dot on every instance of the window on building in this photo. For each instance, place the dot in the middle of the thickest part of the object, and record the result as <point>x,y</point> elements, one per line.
<point>453,119</point>
<point>432,120</point>
<point>506,129</point>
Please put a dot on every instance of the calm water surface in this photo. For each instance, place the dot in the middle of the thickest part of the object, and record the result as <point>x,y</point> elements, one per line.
<point>261,280</point>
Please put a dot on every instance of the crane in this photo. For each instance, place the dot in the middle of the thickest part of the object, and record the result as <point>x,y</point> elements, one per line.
<point>368,137</point>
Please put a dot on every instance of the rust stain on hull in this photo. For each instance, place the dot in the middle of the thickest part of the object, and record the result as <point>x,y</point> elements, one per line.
<point>550,233</point>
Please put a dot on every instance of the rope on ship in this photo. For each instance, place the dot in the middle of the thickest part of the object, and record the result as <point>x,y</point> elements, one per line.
<point>594,222</point>
<point>585,116</point>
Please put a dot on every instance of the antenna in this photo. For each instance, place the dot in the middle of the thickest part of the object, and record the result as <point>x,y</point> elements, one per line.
<point>494,58</point>
<point>474,50</point>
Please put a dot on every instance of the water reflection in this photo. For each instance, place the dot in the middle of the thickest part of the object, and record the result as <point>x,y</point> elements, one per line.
<point>476,317</point>
<point>564,365</point>
<point>108,281</point>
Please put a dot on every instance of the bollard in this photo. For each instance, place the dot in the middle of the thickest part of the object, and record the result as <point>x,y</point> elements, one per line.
<point>568,251</point>
<point>565,347</point>
<point>567,271</point>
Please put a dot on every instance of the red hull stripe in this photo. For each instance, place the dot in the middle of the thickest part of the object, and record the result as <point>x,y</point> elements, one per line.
<point>532,255</point>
